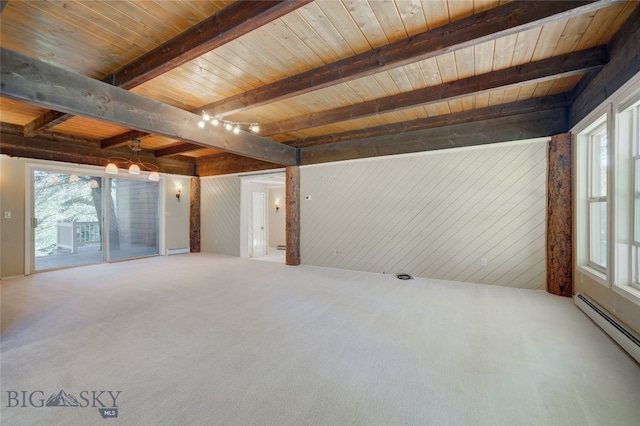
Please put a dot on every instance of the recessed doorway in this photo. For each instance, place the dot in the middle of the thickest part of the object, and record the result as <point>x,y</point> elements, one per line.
<point>262,217</point>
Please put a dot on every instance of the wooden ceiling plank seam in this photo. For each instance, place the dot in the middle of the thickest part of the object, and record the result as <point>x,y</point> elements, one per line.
<point>600,30</point>
<point>279,30</point>
<point>570,64</point>
<point>344,24</point>
<point>96,35</point>
<point>573,32</point>
<point>317,19</point>
<point>504,50</point>
<point>43,84</point>
<point>367,21</point>
<point>387,14</point>
<point>549,36</point>
<point>308,35</point>
<point>412,14</point>
<point>436,13</point>
<point>490,25</point>
<point>484,55</point>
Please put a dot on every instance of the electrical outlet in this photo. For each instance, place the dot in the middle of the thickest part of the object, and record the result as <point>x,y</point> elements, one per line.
<point>7,214</point>
<point>483,261</point>
<point>335,252</point>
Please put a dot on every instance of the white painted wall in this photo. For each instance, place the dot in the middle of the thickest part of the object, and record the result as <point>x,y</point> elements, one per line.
<point>432,215</point>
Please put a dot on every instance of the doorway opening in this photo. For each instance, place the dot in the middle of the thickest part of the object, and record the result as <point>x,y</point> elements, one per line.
<point>262,217</point>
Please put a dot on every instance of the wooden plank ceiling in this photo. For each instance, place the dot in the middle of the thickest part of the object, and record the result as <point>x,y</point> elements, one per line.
<point>312,74</point>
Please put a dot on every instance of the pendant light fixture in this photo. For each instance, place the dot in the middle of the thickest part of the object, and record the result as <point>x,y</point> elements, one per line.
<point>135,164</point>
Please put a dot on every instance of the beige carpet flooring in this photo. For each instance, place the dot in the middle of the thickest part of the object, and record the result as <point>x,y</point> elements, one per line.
<point>203,339</point>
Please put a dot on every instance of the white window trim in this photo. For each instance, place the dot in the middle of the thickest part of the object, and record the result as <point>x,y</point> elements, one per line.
<point>588,126</point>
<point>619,265</point>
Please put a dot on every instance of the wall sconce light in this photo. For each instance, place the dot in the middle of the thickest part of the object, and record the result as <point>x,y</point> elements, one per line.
<point>178,191</point>
<point>277,206</point>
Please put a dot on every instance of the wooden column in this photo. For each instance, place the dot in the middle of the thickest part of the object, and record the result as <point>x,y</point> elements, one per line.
<point>293,215</point>
<point>194,216</point>
<point>559,216</point>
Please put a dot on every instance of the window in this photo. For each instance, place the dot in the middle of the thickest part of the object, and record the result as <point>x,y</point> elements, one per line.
<point>597,196</point>
<point>629,129</point>
<point>607,190</point>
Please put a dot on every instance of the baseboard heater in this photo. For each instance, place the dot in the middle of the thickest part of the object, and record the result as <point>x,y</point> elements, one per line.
<point>626,338</point>
<point>181,250</point>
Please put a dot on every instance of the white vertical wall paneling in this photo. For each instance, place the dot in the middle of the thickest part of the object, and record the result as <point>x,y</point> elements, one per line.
<point>432,215</point>
<point>220,226</point>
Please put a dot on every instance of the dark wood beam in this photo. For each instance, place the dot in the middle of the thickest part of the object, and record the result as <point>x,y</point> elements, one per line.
<point>224,164</point>
<point>292,211</point>
<point>552,68</point>
<point>3,4</point>
<point>15,129</point>
<point>490,25</point>
<point>194,215</point>
<point>20,146</point>
<point>178,148</point>
<point>495,111</point>
<point>227,25</point>
<point>39,83</point>
<point>559,216</point>
<point>122,139</point>
<point>44,122</point>
<point>516,127</point>
<point>623,64</point>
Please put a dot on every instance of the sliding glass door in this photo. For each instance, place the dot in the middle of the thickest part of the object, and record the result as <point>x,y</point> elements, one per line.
<point>79,219</point>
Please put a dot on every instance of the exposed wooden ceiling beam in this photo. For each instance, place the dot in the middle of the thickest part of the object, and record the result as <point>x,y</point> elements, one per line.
<point>480,114</point>
<point>515,127</point>
<point>624,63</point>
<point>543,70</point>
<point>38,83</point>
<point>20,146</point>
<point>122,139</point>
<point>224,163</point>
<point>480,28</point>
<point>227,25</point>
<point>44,122</point>
<point>15,129</point>
<point>228,163</point>
<point>177,149</point>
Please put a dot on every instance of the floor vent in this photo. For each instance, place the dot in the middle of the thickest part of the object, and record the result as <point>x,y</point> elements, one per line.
<point>177,251</point>
<point>626,338</point>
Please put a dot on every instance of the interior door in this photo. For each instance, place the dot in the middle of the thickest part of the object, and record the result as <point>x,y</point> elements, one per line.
<point>259,223</point>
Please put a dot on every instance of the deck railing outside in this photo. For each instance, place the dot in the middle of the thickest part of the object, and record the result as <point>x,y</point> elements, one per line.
<point>72,235</point>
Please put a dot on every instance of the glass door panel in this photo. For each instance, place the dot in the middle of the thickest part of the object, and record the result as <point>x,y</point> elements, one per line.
<point>68,220</point>
<point>133,219</point>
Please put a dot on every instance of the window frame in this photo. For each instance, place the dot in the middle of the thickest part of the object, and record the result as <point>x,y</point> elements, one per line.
<point>594,196</point>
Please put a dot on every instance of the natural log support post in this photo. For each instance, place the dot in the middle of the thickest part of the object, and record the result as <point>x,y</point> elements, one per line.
<point>559,216</point>
<point>293,215</point>
<point>194,216</point>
